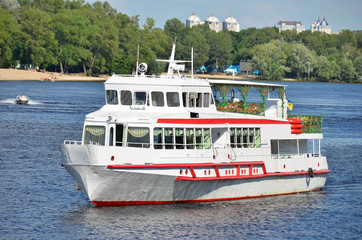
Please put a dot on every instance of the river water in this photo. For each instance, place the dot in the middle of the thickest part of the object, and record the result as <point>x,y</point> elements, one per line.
<point>39,199</point>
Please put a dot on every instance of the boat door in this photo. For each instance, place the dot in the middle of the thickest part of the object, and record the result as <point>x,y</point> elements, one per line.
<point>220,144</point>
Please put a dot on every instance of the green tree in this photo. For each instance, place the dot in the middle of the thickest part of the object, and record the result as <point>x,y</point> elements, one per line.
<point>348,72</point>
<point>9,32</point>
<point>326,70</point>
<point>129,40</point>
<point>220,48</point>
<point>270,60</point>
<point>71,28</point>
<point>174,29</point>
<point>358,66</point>
<point>196,40</point>
<point>10,5</point>
<point>263,35</point>
<point>154,45</point>
<point>39,40</point>
<point>102,37</point>
<point>300,60</point>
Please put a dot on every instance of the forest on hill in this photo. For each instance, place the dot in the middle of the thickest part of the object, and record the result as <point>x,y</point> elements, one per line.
<point>73,36</point>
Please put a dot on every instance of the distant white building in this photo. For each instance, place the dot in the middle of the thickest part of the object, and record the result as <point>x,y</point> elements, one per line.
<point>321,26</point>
<point>231,24</point>
<point>193,20</point>
<point>214,23</point>
<point>290,25</point>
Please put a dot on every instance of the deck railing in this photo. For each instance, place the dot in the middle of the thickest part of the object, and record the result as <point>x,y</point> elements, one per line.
<point>311,123</point>
<point>241,107</point>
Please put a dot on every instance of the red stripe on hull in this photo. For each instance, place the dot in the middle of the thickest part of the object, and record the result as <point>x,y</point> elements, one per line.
<point>128,203</point>
<point>183,165</point>
<point>249,176</point>
<point>219,121</point>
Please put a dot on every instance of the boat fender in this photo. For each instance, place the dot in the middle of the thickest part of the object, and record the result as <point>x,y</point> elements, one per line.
<point>311,172</point>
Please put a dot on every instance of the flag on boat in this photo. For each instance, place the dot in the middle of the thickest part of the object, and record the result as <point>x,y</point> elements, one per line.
<point>289,103</point>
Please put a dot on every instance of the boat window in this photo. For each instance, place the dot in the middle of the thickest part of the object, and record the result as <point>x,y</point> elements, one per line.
<point>199,100</point>
<point>111,130</point>
<point>190,141</point>
<point>245,138</point>
<point>257,137</point>
<point>157,138</point>
<point>179,135</point>
<point>94,135</point>
<point>126,97</point>
<point>111,96</point>
<point>232,137</point>
<point>173,99</point>
<point>138,137</point>
<point>157,99</point>
<point>288,147</point>
<point>251,138</point>
<point>206,99</point>
<point>198,138</point>
<point>184,99</point>
<point>192,99</point>
<point>274,147</point>
<point>140,98</point>
<point>239,137</point>
<point>168,138</point>
<point>207,138</point>
<point>212,99</point>
<point>119,135</point>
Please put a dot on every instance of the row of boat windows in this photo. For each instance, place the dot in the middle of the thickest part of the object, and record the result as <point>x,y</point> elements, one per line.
<point>169,138</point>
<point>158,99</point>
<point>245,137</point>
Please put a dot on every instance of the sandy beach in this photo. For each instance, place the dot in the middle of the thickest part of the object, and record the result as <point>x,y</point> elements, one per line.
<point>30,75</point>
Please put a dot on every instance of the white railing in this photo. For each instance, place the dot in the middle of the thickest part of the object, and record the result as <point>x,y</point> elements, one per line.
<point>72,142</point>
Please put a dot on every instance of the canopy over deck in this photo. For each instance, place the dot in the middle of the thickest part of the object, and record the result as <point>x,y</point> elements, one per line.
<point>241,82</point>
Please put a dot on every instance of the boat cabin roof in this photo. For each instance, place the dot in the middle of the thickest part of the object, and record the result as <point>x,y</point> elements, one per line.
<point>242,82</point>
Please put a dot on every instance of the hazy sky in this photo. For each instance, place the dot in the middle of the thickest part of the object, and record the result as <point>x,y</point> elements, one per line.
<point>340,14</point>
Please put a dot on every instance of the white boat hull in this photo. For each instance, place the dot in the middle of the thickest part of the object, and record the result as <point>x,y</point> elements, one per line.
<point>111,187</point>
<point>106,187</point>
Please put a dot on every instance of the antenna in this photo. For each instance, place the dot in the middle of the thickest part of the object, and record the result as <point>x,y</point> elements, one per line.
<point>173,66</point>
<point>138,53</point>
<point>192,62</point>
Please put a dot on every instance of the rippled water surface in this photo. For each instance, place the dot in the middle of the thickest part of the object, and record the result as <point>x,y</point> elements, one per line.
<point>39,201</point>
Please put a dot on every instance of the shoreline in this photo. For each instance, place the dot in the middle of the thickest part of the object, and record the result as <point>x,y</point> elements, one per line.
<point>31,75</point>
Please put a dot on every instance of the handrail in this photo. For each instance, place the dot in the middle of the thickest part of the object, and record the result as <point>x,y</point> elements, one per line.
<point>311,123</point>
<point>72,142</point>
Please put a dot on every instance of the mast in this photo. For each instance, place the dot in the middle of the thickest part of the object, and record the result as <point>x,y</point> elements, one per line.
<point>173,66</point>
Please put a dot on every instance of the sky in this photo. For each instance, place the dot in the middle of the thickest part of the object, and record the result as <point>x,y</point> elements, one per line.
<point>340,14</point>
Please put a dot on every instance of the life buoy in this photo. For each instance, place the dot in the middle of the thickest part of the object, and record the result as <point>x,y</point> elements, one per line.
<point>311,172</point>
<point>295,120</point>
<point>297,131</point>
<point>296,126</point>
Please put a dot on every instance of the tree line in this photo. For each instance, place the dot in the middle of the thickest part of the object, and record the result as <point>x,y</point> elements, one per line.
<point>72,36</point>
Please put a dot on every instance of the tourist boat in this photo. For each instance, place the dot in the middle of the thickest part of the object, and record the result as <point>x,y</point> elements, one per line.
<point>176,139</point>
<point>22,99</point>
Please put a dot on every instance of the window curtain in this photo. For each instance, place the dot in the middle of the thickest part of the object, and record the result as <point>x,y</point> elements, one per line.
<point>138,132</point>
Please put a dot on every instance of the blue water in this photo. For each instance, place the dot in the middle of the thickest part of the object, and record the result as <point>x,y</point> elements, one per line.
<point>39,199</point>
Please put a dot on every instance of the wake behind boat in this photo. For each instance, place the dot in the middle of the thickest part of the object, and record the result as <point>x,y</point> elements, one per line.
<point>22,99</point>
<point>172,139</point>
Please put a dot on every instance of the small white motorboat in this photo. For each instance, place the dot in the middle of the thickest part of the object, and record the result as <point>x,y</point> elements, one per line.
<point>22,99</point>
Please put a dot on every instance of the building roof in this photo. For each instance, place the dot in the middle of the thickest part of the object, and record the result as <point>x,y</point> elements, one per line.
<point>194,18</point>
<point>230,19</point>
<point>289,22</point>
<point>212,18</point>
